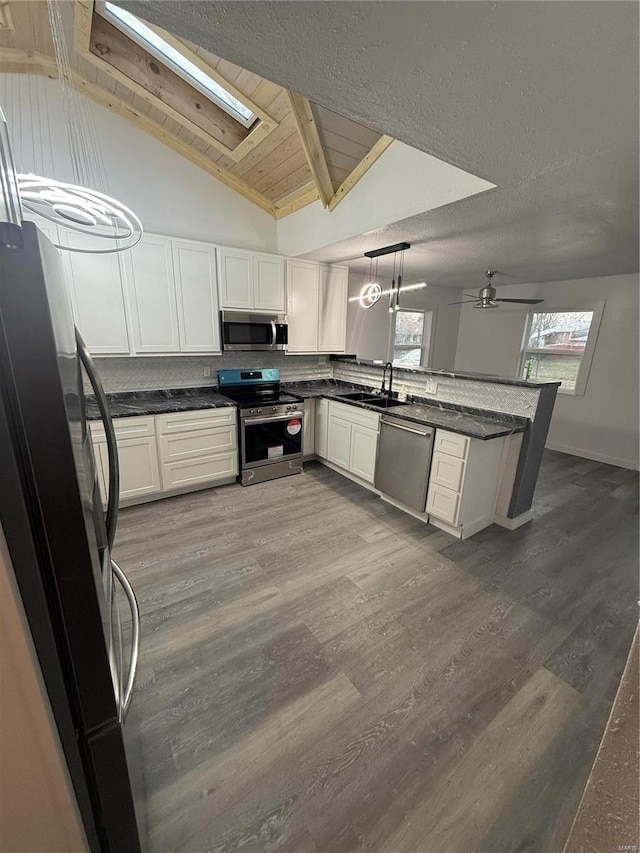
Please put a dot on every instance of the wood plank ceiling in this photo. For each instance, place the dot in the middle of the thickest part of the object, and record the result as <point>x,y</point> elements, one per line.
<point>294,153</point>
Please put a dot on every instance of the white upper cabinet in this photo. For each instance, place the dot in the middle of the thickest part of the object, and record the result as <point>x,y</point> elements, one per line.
<point>303,288</point>
<point>236,278</point>
<point>268,284</point>
<point>98,298</point>
<point>194,267</point>
<point>332,309</point>
<point>316,307</point>
<point>251,282</point>
<point>152,296</point>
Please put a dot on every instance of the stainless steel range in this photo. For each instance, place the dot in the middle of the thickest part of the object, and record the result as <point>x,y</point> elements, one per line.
<point>271,424</point>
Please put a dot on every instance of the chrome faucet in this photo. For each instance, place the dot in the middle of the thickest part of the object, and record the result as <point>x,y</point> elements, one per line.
<point>384,379</point>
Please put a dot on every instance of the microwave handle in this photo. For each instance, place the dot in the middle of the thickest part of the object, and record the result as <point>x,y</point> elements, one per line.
<point>274,334</point>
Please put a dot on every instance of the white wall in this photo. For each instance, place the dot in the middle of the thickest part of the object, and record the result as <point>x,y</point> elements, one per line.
<point>401,183</point>
<point>602,424</point>
<point>169,194</point>
<point>368,330</point>
<point>38,809</point>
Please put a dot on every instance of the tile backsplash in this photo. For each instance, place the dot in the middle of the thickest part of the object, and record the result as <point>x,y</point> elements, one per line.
<point>150,373</point>
<point>492,396</point>
<point>185,371</point>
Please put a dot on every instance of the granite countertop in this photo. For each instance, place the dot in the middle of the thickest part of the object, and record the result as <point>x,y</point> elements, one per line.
<point>474,423</point>
<point>453,374</point>
<point>126,404</point>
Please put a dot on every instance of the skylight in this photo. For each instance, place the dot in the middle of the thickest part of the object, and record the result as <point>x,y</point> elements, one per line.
<point>150,40</point>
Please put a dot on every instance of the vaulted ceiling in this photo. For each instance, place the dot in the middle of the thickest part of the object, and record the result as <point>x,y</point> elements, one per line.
<point>539,98</point>
<point>294,153</point>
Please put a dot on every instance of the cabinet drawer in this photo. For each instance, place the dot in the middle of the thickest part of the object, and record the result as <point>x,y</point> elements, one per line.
<point>443,503</point>
<point>451,443</point>
<point>197,443</point>
<point>198,420</point>
<point>355,415</point>
<point>191,472</point>
<point>137,427</point>
<point>447,471</point>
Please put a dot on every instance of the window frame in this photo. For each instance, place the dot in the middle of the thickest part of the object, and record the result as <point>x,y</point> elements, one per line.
<point>427,349</point>
<point>597,308</point>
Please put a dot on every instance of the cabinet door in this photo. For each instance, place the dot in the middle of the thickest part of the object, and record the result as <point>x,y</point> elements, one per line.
<point>322,428</point>
<point>362,455</point>
<point>194,268</point>
<point>309,423</point>
<point>236,278</point>
<point>268,284</point>
<point>332,309</point>
<point>152,296</point>
<point>339,442</point>
<point>303,282</point>
<point>139,470</point>
<point>97,290</point>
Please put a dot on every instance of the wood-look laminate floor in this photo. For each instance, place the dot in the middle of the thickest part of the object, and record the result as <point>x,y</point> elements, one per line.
<point>321,672</point>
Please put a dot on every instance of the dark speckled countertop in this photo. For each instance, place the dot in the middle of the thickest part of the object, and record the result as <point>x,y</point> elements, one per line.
<point>460,419</point>
<point>127,404</point>
<point>471,422</point>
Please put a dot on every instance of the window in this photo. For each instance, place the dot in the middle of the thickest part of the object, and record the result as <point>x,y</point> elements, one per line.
<point>559,346</point>
<point>411,338</point>
<point>189,71</point>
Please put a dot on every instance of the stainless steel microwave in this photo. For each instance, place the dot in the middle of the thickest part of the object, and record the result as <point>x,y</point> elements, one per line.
<point>244,331</point>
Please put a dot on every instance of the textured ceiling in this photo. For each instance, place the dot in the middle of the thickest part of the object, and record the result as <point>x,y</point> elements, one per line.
<point>539,98</point>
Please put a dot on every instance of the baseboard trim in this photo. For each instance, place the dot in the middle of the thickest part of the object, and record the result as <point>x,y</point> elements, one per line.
<point>514,523</point>
<point>619,461</point>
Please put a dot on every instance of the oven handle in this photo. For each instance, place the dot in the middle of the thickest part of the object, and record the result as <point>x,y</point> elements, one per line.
<point>270,419</point>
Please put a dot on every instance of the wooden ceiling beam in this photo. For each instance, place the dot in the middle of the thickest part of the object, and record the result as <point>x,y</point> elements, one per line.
<point>303,196</point>
<point>39,63</point>
<point>308,131</point>
<point>360,170</point>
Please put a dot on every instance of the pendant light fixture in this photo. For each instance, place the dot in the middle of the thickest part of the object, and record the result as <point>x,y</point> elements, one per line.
<point>372,292</point>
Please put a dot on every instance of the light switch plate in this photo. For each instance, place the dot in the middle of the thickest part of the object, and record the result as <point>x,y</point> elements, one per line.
<point>432,386</point>
<point>206,371</point>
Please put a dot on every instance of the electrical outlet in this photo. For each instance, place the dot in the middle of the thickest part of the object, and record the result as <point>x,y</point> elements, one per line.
<point>431,386</point>
<point>206,371</point>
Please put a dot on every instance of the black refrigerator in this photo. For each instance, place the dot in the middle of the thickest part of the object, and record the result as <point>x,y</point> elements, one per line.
<point>80,606</point>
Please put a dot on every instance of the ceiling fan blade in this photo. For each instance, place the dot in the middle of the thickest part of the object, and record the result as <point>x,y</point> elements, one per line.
<point>522,301</point>
<point>464,302</point>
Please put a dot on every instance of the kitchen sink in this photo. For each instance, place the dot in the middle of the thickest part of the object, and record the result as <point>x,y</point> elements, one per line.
<point>355,395</point>
<point>383,402</point>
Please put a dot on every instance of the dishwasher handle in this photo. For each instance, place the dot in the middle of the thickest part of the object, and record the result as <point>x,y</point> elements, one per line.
<point>396,425</point>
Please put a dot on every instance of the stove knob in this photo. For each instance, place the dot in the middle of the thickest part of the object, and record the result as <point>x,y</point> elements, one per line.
<point>259,411</point>
<point>274,408</point>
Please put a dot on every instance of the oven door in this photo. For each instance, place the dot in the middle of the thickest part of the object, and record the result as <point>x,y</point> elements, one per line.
<point>267,439</point>
<point>246,332</point>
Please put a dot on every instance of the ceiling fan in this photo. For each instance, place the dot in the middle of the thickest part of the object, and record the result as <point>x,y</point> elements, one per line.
<point>487,296</point>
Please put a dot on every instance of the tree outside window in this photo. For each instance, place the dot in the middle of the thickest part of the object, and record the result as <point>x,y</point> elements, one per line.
<point>556,345</point>
<point>411,338</point>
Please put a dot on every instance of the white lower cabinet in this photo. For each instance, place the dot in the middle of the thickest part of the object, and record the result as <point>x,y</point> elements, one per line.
<point>198,447</point>
<point>321,431</point>
<point>362,452</point>
<point>339,441</point>
<point>139,471</point>
<point>352,439</point>
<point>464,482</point>
<point>169,452</point>
<point>137,454</point>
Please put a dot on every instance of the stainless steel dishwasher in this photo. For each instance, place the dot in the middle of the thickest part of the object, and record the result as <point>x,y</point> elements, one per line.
<point>403,461</point>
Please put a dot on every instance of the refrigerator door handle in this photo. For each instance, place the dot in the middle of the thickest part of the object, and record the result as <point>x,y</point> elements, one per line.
<point>127,693</point>
<point>111,519</point>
